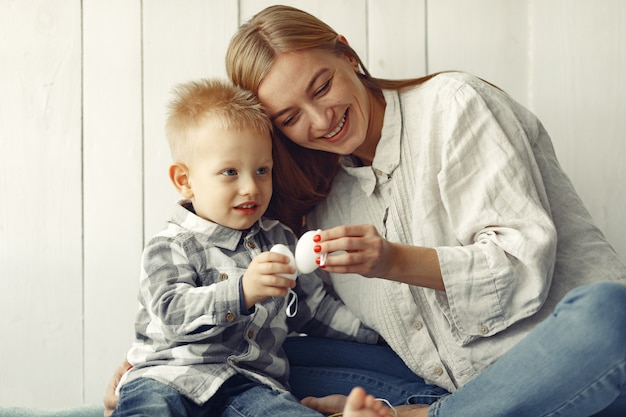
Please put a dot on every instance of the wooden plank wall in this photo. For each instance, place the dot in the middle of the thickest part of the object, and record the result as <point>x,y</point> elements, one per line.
<point>41,245</point>
<point>83,156</point>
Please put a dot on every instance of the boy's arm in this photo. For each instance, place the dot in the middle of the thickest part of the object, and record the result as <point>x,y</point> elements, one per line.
<point>179,304</point>
<point>322,315</point>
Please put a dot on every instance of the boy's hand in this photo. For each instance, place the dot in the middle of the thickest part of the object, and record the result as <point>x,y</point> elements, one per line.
<point>262,279</point>
<point>110,399</point>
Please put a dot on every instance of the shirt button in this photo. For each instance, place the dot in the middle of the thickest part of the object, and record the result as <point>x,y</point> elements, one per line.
<point>223,276</point>
<point>417,325</point>
<point>378,172</point>
<point>251,245</point>
<point>250,334</point>
<point>438,371</point>
<point>483,329</point>
<point>230,317</point>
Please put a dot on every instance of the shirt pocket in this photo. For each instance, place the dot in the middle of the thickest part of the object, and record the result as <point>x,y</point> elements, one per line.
<point>219,275</point>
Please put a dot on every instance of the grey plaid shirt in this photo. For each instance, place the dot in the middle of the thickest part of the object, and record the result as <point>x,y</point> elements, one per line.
<point>190,330</point>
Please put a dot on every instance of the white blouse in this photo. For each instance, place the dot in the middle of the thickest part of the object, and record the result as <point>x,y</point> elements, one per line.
<point>463,168</point>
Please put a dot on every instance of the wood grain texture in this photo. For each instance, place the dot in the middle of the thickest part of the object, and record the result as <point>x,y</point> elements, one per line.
<point>113,182</point>
<point>41,281</point>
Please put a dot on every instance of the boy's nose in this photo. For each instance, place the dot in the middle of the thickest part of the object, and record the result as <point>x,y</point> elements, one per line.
<point>249,186</point>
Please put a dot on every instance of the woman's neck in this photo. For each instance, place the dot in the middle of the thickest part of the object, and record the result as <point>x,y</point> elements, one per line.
<point>365,153</point>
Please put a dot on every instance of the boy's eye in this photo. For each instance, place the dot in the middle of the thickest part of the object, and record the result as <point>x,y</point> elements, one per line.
<point>262,171</point>
<point>229,172</point>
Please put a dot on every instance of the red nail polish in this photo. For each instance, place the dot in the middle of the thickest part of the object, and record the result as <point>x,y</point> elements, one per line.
<point>317,238</point>
<point>317,261</point>
<point>317,248</point>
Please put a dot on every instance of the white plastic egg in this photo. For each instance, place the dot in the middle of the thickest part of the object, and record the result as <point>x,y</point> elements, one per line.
<point>305,257</point>
<point>284,250</point>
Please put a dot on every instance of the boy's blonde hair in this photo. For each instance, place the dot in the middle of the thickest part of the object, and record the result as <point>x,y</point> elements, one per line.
<point>216,100</point>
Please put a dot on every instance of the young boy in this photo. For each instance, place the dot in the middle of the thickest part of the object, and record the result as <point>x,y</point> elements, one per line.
<point>212,319</point>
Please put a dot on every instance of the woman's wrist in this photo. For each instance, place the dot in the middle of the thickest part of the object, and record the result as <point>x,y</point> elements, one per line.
<point>415,265</point>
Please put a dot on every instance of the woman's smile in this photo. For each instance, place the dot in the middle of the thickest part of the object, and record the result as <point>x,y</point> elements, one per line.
<point>340,132</point>
<point>338,128</point>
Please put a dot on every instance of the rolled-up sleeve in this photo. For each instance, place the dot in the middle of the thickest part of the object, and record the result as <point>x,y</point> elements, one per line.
<point>495,201</point>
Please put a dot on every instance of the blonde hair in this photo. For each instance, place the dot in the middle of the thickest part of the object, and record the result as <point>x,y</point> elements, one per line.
<point>279,29</point>
<point>303,176</point>
<point>219,101</point>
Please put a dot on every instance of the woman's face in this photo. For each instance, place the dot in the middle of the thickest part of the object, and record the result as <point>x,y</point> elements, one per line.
<point>317,100</point>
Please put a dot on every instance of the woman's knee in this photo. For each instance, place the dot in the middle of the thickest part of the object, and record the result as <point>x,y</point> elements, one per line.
<point>603,297</point>
<point>600,308</point>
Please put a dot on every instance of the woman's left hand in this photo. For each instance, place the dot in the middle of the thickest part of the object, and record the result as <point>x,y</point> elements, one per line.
<point>365,252</point>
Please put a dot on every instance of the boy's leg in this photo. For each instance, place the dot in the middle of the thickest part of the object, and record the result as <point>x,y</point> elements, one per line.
<point>245,398</point>
<point>146,396</point>
<point>321,367</point>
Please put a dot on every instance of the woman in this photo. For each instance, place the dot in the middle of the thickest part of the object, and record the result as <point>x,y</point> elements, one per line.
<point>464,244</point>
<point>449,191</point>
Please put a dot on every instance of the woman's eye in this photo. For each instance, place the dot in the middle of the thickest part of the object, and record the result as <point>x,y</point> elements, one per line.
<point>323,88</point>
<point>229,172</point>
<point>289,120</point>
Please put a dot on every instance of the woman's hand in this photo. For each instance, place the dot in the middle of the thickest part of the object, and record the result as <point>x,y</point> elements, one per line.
<point>261,280</point>
<point>110,399</point>
<point>360,250</point>
<point>366,253</point>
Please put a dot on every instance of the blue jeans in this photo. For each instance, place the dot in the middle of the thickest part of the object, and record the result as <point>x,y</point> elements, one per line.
<point>321,367</point>
<point>238,397</point>
<point>573,364</point>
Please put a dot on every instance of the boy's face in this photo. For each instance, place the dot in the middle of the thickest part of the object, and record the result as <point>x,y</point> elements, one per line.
<point>230,175</point>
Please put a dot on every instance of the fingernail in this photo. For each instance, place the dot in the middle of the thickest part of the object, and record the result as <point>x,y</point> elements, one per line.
<point>317,261</point>
<point>317,238</point>
<point>317,248</point>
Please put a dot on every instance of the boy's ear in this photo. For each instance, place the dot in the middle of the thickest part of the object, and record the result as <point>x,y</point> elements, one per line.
<point>179,175</point>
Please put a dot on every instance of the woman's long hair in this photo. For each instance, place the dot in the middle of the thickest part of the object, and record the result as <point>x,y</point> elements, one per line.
<point>302,177</point>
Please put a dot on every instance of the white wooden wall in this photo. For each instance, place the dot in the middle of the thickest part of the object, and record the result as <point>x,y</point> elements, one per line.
<point>83,88</point>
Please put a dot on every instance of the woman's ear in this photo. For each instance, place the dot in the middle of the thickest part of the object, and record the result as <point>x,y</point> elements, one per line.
<point>350,57</point>
<point>179,175</point>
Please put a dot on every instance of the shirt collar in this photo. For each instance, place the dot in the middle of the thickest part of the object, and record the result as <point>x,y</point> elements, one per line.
<point>387,156</point>
<point>218,235</point>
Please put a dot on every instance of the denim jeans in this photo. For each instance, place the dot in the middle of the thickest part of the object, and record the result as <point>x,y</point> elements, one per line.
<point>321,367</point>
<point>238,397</point>
<point>573,364</point>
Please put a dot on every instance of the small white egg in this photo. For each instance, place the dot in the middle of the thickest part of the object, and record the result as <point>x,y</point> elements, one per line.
<point>305,257</point>
<point>284,250</point>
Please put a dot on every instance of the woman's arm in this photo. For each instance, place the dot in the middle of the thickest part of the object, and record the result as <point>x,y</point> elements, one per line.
<point>368,254</point>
